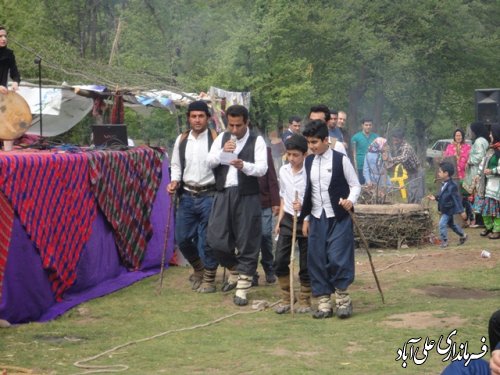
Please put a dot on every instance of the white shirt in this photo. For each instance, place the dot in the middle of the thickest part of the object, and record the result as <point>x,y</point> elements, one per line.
<point>289,184</point>
<point>321,175</point>
<point>197,172</point>
<point>256,169</point>
<point>339,146</point>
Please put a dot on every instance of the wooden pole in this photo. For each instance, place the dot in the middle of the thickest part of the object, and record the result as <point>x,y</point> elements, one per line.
<point>114,48</point>
<point>292,257</point>
<point>167,237</point>
<point>365,245</point>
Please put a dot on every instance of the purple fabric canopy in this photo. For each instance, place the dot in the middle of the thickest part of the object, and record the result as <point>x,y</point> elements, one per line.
<point>27,295</point>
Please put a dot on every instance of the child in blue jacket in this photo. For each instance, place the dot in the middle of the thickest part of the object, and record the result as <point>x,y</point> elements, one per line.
<point>449,204</point>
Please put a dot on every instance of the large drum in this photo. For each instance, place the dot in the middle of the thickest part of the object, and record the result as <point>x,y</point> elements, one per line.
<point>15,116</point>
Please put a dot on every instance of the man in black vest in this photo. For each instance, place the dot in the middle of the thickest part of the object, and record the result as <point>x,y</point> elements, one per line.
<point>234,231</point>
<point>332,188</point>
<point>195,181</point>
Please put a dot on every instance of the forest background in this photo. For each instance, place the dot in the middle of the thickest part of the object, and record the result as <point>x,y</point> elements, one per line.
<point>413,64</point>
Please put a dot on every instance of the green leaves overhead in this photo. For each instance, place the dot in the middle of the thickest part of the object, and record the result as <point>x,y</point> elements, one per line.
<point>398,62</point>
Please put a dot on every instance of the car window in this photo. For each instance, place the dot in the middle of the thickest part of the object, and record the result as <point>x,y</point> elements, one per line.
<point>441,146</point>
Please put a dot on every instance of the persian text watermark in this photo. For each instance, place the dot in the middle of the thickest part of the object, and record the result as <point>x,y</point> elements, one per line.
<point>450,350</point>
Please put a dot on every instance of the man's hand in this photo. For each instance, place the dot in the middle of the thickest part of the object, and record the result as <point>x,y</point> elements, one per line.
<point>172,187</point>
<point>463,215</point>
<point>305,228</point>
<point>346,204</point>
<point>495,362</point>
<point>3,90</point>
<point>237,163</point>
<point>431,197</point>
<point>277,228</point>
<point>229,146</point>
<point>15,86</point>
<point>275,210</point>
<point>297,206</point>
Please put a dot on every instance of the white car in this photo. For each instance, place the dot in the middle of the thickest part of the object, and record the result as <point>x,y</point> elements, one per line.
<point>437,149</point>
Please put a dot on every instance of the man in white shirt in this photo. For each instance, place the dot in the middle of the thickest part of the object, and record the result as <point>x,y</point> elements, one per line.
<point>193,178</point>
<point>238,157</point>
<point>321,112</point>
<point>331,191</point>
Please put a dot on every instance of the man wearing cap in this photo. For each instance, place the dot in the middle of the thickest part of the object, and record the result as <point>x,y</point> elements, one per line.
<point>192,177</point>
<point>234,232</point>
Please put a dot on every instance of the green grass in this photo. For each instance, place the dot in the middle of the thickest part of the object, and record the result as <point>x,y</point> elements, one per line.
<point>264,342</point>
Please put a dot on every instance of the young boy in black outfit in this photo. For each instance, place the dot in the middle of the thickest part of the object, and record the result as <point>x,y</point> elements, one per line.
<point>449,204</point>
<point>292,187</point>
<point>332,189</point>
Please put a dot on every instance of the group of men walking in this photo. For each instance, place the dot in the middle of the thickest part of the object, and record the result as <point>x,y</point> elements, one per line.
<point>219,219</point>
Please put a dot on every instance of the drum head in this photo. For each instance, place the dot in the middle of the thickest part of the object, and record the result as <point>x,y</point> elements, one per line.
<point>15,116</point>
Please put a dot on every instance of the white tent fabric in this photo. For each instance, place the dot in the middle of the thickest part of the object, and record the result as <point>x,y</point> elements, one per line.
<point>73,108</point>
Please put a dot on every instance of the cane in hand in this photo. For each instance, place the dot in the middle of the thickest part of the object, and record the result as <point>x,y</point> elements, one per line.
<point>365,245</point>
<point>167,237</point>
<point>292,256</point>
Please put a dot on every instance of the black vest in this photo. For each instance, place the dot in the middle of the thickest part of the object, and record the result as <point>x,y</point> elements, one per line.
<point>247,185</point>
<point>338,188</point>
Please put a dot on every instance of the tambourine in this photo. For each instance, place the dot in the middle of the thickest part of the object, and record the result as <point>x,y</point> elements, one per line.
<point>15,116</point>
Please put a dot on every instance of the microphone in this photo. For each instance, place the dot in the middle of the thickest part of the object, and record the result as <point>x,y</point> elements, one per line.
<point>234,139</point>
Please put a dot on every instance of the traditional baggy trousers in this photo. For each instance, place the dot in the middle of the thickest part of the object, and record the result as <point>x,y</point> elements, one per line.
<point>330,256</point>
<point>235,229</point>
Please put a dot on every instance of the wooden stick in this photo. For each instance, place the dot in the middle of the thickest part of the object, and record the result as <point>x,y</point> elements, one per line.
<point>365,245</point>
<point>292,256</point>
<point>167,237</point>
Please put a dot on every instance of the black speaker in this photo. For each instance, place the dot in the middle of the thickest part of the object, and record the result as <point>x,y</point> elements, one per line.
<point>488,105</point>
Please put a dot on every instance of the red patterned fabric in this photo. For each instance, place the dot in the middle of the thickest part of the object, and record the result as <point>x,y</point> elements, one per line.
<point>6,221</point>
<point>125,185</point>
<point>117,113</point>
<point>50,193</point>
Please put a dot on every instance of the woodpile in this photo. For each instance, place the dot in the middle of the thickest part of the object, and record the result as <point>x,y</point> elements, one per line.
<point>393,225</point>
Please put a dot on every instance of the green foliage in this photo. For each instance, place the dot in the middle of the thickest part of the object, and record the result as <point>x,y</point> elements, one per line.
<point>413,64</point>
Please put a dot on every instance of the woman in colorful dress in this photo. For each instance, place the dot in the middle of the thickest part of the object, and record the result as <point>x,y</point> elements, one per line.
<point>480,141</point>
<point>460,150</point>
<point>487,201</point>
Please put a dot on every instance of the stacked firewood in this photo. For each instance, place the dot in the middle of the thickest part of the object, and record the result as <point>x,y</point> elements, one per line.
<point>394,225</point>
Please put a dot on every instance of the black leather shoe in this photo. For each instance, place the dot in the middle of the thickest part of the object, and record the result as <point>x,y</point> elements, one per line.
<point>485,232</point>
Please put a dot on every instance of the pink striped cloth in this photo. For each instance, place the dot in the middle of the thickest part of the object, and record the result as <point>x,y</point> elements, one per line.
<point>50,193</point>
<point>125,184</point>
<point>6,221</point>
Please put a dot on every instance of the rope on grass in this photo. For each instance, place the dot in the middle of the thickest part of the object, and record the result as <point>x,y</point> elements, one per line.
<point>257,306</point>
<point>391,265</point>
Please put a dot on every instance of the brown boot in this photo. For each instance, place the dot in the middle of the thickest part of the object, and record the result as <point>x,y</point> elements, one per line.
<point>208,283</point>
<point>304,299</point>
<point>284,306</point>
<point>197,276</point>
